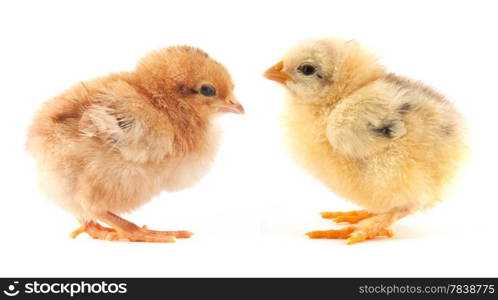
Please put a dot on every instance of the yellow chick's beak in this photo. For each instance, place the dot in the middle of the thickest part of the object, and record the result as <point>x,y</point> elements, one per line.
<point>275,73</point>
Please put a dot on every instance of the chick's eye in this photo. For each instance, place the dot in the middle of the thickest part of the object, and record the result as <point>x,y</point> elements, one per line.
<point>208,90</point>
<point>307,69</point>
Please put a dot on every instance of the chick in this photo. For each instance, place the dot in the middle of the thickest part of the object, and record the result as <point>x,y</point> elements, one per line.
<point>107,146</point>
<point>385,142</point>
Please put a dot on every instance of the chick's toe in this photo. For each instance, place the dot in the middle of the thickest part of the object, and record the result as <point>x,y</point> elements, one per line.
<point>351,217</point>
<point>331,234</point>
<point>95,230</point>
<point>361,235</point>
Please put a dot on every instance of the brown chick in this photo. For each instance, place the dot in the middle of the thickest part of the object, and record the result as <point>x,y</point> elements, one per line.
<point>107,146</point>
<point>387,143</point>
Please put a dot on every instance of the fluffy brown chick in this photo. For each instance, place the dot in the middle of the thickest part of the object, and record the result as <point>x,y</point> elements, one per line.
<point>107,146</point>
<point>387,143</point>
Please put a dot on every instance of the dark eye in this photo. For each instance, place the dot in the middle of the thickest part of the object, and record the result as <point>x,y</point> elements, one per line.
<point>208,90</point>
<point>307,69</point>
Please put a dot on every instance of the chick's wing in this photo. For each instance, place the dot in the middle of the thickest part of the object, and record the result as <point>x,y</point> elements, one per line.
<point>360,127</point>
<point>112,120</point>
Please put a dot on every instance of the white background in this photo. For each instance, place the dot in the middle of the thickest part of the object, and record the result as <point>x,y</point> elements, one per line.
<point>251,211</point>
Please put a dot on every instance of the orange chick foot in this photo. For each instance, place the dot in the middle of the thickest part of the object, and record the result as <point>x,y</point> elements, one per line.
<point>352,234</point>
<point>132,234</point>
<point>351,217</point>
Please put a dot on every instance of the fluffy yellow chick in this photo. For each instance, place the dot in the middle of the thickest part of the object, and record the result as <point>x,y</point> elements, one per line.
<point>107,146</point>
<point>387,143</point>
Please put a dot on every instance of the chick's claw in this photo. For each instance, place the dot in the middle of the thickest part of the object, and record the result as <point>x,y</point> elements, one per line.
<point>351,217</point>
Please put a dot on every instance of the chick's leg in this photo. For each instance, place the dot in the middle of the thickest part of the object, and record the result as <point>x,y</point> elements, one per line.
<point>351,217</point>
<point>127,230</point>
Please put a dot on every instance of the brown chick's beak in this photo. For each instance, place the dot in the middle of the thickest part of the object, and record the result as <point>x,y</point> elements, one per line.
<point>275,73</point>
<point>235,108</point>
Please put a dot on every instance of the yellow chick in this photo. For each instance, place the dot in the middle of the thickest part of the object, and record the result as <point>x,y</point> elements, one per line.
<point>107,146</point>
<point>385,142</point>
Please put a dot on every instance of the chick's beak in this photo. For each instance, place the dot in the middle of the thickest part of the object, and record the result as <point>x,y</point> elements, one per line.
<point>236,109</point>
<point>233,106</point>
<point>275,73</point>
